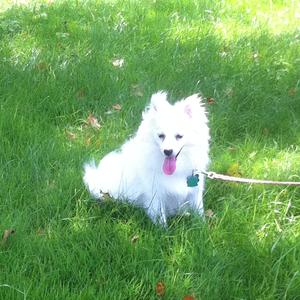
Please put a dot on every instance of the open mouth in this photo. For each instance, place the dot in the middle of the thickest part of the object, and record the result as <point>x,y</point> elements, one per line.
<point>169,165</point>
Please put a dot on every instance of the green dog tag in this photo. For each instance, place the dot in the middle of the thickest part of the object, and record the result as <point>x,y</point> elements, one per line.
<point>192,180</point>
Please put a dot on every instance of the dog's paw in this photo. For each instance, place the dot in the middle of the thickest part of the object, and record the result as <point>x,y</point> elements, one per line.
<point>91,180</point>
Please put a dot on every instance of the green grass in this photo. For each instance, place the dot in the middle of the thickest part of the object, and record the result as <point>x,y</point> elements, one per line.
<point>56,67</point>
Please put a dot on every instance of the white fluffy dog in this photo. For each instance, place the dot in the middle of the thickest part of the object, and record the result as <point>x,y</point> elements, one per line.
<point>158,169</point>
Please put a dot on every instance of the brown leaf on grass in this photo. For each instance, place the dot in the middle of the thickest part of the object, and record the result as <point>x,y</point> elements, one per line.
<point>6,234</point>
<point>93,121</point>
<point>117,106</point>
<point>160,289</point>
<point>88,140</point>
<point>137,90</point>
<point>232,149</point>
<point>105,196</point>
<point>266,131</point>
<point>118,62</point>
<point>62,34</point>
<point>209,213</point>
<point>42,66</point>
<point>135,238</point>
<point>188,297</point>
<point>80,94</point>
<point>40,231</point>
<point>292,92</point>
<point>211,101</point>
<point>229,92</point>
<point>234,170</point>
<point>255,56</point>
<point>97,143</point>
<point>71,135</point>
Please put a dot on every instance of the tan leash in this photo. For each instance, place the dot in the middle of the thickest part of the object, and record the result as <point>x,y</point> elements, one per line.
<point>227,178</point>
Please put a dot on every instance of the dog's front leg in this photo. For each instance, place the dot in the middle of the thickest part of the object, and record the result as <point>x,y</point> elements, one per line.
<point>198,203</point>
<point>197,198</point>
<point>156,212</point>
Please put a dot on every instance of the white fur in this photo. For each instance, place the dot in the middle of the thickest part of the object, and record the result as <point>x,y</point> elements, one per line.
<point>134,173</point>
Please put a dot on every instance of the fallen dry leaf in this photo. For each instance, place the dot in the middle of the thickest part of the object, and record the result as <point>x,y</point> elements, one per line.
<point>51,183</point>
<point>93,121</point>
<point>6,234</point>
<point>189,297</point>
<point>117,107</point>
<point>211,101</point>
<point>62,34</point>
<point>88,140</point>
<point>209,213</point>
<point>232,149</point>
<point>234,170</point>
<point>71,135</point>
<point>252,154</point>
<point>40,231</point>
<point>80,94</point>
<point>160,289</point>
<point>137,90</point>
<point>106,196</point>
<point>135,238</point>
<point>266,131</point>
<point>292,92</point>
<point>229,92</point>
<point>42,66</point>
<point>118,62</point>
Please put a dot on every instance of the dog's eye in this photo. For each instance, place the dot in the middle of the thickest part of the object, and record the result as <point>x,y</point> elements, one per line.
<point>162,136</point>
<point>178,136</point>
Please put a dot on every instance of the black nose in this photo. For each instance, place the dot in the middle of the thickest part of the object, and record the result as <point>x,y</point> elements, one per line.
<point>168,152</point>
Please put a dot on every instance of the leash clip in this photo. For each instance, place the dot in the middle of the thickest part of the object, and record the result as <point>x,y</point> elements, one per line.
<point>211,175</point>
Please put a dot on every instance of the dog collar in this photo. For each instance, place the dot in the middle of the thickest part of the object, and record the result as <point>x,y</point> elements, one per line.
<point>192,180</point>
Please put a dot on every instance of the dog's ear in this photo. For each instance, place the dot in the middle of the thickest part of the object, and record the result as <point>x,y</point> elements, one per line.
<point>191,105</point>
<point>159,101</point>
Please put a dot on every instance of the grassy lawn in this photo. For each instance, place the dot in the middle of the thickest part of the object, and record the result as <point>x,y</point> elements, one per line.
<point>66,65</point>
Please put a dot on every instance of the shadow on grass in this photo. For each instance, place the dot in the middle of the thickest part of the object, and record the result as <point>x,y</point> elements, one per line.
<point>66,51</point>
<point>57,66</point>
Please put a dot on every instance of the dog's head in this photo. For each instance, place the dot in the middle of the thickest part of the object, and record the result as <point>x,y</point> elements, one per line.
<point>173,127</point>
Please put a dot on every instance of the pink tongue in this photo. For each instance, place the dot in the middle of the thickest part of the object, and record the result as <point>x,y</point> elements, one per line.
<point>169,166</point>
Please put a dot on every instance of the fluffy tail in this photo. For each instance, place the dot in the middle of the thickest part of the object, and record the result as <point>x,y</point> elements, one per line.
<point>91,180</point>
